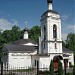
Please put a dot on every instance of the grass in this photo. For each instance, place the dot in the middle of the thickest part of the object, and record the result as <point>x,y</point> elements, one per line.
<point>69,74</point>
<point>24,70</point>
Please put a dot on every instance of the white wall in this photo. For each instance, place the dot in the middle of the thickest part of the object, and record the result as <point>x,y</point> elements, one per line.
<point>19,60</point>
<point>51,47</point>
<point>70,58</point>
<point>44,62</point>
<point>34,57</point>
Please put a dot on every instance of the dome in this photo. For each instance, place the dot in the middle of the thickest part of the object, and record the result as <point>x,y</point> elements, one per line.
<point>26,29</point>
<point>49,1</point>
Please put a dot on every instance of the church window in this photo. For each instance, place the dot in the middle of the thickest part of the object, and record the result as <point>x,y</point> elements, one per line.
<point>5,54</point>
<point>44,45</point>
<point>14,58</point>
<point>55,45</point>
<point>35,62</point>
<point>44,32</point>
<point>54,31</point>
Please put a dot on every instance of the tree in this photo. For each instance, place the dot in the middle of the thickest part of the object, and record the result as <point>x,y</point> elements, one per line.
<point>60,68</point>
<point>70,41</point>
<point>15,33</point>
<point>1,40</point>
<point>51,68</point>
<point>74,69</point>
<point>63,44</point>
<point>34,33</point>
<point>12,35</point>
<point>1,44</point>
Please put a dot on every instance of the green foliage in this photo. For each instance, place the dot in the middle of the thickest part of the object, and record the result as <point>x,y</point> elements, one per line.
<point>70,41</point>
<point>51,68</point>
<point>70,65</point>
<point>24,70</point>
<point>74,69</point>
<point>63,44</point>
<point>12,35</point>
<point>60,68</point>
<point>1,43</point>
<point>34,33</point>
<point>69,74</point>
<point>44,72</point>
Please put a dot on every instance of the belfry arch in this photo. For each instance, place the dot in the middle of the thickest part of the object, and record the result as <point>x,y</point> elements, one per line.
<point>54,31</point>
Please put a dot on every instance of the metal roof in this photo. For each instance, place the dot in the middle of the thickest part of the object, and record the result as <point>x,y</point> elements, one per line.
<point>23,41</point>
<point>66,50</point>
<point>19,48</point>
<point>52,11</point>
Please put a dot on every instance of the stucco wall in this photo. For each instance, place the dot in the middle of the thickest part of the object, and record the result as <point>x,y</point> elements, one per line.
<point>19,60</point>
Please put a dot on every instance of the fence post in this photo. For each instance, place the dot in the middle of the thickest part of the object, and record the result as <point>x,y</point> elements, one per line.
<point>1,68</point>
<point>37,67</point>
<point>65,65</point>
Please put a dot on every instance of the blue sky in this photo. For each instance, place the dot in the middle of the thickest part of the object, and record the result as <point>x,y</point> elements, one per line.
<point>16,12</point>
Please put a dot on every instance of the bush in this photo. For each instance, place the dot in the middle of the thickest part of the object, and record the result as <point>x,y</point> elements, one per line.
<point>51,68</point>
<point>74,69</point>
<point>70,65</point>
<point>60,68</point>
<point>69,74</point>
<point>44,72</point>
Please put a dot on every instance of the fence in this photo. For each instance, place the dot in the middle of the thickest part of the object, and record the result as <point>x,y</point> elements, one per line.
<point>18,71</point>
<point>21,70</point>
<point>27,71</point>
<point>30,71</point>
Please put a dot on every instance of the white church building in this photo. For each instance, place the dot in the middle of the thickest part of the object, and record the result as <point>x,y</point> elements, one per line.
<point>24,52</point>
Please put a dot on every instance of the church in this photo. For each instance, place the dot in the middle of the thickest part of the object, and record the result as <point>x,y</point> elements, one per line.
<point>24,52</point>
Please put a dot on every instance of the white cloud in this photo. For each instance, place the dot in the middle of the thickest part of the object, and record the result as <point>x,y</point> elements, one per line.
<point>64,17</point>
<point>64,36</point>
<point>71,27</point>
<point>6,24</point>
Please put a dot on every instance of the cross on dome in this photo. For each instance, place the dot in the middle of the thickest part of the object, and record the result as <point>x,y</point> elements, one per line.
<point>26,23</point>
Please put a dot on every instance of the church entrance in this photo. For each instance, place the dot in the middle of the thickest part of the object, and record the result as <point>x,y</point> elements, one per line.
<point>55,60</point>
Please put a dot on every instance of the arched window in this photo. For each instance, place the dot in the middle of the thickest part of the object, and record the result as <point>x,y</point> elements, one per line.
<point>44,45</point>
<point>44,32</point>
<point>54,31</point>
<point>55,45</point>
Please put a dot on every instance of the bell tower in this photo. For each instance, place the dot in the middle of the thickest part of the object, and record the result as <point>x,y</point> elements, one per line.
<point>51,41</point>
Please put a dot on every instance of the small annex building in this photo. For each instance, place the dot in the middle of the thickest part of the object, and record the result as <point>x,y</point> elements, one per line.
<point>19,53</point>
<point>24,53</point>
